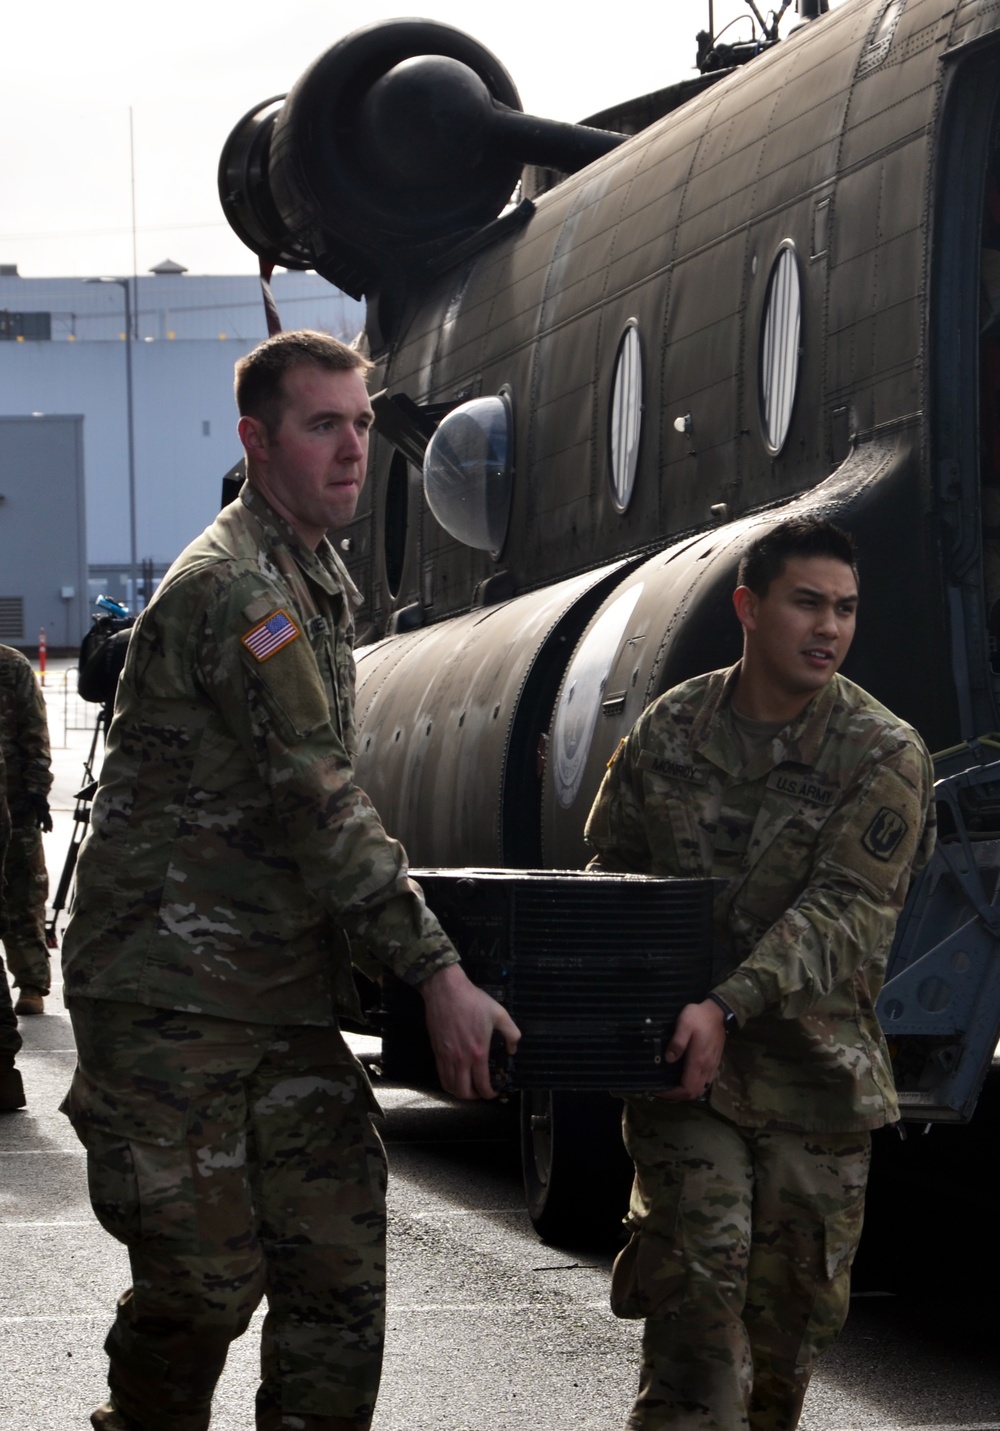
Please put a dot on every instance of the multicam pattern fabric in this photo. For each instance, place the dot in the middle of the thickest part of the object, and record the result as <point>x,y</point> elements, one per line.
<point>248,1164</point>
<point>816,840</point>
<point>746,1212</point>
<point>740,1262</point>
<point>24,740</point>
<point>10,1039</point>
<point>4,841</point>
<point>231,856</point>
<point>230,849</point>
<point>24,733</point>
<point>27,891</point>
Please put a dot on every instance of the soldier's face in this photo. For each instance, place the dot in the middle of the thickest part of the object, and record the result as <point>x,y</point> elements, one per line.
<point>312,468</point>
<point>799,633</point>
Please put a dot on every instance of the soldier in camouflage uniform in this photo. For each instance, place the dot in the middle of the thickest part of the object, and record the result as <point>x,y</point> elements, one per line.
<point>11,1087</point>
<point>231,869</point>
<point>24,739</point>
<point>813,803</point>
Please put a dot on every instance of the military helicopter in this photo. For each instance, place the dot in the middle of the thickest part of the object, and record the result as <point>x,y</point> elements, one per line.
<point>607,353</point>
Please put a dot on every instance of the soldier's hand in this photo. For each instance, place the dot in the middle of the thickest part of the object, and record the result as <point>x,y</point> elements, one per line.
<point>461,1019</point>
<point>699,1038</point>
<point>39,807</point>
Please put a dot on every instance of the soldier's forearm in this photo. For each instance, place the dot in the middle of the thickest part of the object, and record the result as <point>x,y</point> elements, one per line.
<point>818,944</point>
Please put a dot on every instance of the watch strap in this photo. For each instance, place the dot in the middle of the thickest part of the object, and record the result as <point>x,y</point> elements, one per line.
<point>730,1023</point>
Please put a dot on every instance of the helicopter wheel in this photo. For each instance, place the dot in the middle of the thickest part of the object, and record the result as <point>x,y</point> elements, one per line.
<point>576,1171</point>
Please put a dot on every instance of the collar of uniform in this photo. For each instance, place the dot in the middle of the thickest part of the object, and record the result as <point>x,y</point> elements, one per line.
<point>327,553</point>
<point>323,565</point>
<point>800,742</point>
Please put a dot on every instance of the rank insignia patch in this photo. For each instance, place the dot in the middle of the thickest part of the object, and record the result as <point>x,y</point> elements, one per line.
<point>884,834</point>
<point>264,640</point>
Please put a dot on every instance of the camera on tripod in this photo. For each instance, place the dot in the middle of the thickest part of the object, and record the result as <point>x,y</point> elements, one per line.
<point>102,654</point>
<point>102,657</point>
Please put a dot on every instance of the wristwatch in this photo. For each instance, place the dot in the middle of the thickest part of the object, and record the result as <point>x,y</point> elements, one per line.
<point>730,1023</point>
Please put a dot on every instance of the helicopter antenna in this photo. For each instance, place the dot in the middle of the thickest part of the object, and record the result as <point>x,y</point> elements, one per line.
<point>713,55</point>
<point>776,18</point>
<point>760,20</point>
<point>770,32</point>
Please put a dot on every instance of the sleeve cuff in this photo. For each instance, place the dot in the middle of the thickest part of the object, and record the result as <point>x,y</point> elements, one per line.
<point>743,995</point>
<point>424,966</point>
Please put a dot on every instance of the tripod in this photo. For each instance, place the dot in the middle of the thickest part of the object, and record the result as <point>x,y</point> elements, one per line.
<point>81,819</point>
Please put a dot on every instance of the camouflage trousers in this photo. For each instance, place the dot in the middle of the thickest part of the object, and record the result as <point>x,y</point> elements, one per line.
<point>234,1162</point>
<point>10,1039</point>
<point>27,891</point>
<point>739,1262</point>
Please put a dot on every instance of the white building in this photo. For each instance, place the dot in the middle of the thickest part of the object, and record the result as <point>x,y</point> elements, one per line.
<point>63,353</point>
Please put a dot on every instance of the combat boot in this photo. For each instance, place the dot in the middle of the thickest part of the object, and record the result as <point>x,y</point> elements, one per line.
<point>30,1001</point>
<point>11,1087</point>
<point>109,1418</point>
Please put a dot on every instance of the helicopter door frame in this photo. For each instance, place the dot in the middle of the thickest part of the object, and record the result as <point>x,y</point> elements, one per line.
<point>969,135</point>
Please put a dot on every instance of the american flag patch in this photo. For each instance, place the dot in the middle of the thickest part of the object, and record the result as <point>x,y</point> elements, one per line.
<point>270,635</point>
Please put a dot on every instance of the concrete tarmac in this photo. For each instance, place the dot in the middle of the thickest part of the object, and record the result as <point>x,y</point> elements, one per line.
<point>488,1329</point>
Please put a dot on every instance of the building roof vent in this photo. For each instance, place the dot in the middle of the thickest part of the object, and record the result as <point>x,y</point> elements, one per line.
<point>168,266</point>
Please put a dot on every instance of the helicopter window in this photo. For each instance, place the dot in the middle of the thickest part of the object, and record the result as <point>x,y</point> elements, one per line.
<point>880,40</point>
<point>469,472</point>
<point>626,416</point>
<point>779,348</point>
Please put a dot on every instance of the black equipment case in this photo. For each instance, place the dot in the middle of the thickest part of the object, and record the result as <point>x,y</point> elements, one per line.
<point>593,968</point>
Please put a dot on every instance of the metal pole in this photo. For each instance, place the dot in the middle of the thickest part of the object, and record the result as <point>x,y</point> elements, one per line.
<point>135,261</point>
<point>133,573</point>
<point>124,285</point>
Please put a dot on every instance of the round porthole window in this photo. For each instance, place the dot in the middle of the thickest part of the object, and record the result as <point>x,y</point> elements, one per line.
<point>469,472</point>
<point>780,348</point>
<point>626,417</point>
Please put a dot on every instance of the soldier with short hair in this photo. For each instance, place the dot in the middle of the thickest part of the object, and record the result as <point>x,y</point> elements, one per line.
<point>814,804</point>
<point>232,869</point>
<point>24,740</point>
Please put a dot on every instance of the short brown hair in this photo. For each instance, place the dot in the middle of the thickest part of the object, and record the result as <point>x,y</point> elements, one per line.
<point>764,560</point>
<point>259,383</point>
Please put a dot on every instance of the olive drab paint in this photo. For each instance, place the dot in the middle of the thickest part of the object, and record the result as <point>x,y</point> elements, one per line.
<point>753,296</point>
<point>820,178</point>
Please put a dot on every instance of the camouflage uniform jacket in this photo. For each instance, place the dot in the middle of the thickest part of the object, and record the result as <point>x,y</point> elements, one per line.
<point>4,842</point>
<point>230,850</point>
<point>24,733</point>
<point>817,839</point>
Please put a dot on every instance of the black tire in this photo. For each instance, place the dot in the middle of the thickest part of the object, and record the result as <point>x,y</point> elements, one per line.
<point>576,1172</point>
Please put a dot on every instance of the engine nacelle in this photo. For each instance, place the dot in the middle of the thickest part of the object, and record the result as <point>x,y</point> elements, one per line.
<point>399,140</point>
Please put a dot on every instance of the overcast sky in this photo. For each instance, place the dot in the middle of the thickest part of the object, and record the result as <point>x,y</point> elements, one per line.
<point>190,68</point>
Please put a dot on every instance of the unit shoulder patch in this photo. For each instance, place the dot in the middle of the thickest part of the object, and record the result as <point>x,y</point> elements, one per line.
<point>268,637</point>
<point>884,834</point>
